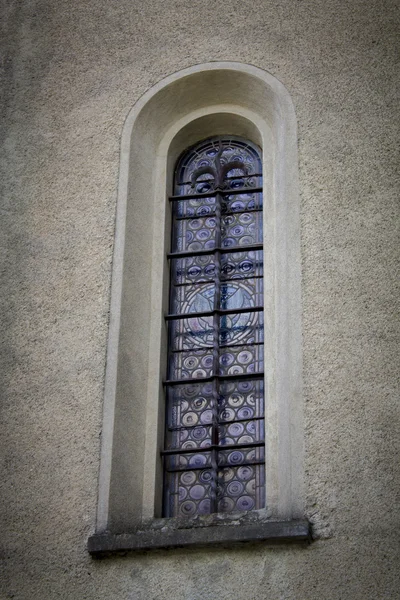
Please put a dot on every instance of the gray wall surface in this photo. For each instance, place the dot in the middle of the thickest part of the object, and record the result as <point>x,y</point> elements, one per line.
<point>72,71</point>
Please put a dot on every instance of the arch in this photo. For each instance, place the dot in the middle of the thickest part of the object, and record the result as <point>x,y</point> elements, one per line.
<point>204,100</point>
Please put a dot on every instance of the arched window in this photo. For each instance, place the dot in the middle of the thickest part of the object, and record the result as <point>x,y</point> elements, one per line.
<point>213,333</point>
<point>214,456</point>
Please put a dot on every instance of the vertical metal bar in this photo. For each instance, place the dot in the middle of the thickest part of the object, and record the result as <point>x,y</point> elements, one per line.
<point>166,500</point>
<point>216,334</point>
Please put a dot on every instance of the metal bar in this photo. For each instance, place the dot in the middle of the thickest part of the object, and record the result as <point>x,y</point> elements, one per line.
<point>212,193</point>
<point>166,505</point>
<point>229,250</point>
<point>223,466</point>
<point>259,375</point>
<point>182,470</point>
<point>219,422</point>
<point>224,214</point>
<point>221,346</point>
<point>216,311</point>
<point>228,447</point>
<point>216,335</point>
<point>224,280</point>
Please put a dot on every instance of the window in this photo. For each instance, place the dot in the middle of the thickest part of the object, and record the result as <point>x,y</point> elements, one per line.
<point>214,456</point>
<point>202,103</point>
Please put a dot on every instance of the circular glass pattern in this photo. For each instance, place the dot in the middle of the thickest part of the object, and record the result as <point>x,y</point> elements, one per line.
<point>227,414</point>
<point>182,493</point>
<point>198,460</point>
<point>226,475</point>
<point>205,476</point>
<point>207,416</point>
<point>245,439</point>
<point>197,492</point>
<point>189,419</point>
<point>251,487</point>
<point>199,433</point>
<point>235,457</point>
<point>236,400</point>
<point>190,362</point>
<point>234,488</point>
<point>188,478</point>
<point>245,473</point>
<point>204,507</point>
<point>199,403</point>
<point>245,413</point>
<point>188,508</point>
<point>245,503</point>
<point>236,429</point>
<point>226,505</point>
<point>189,445</point>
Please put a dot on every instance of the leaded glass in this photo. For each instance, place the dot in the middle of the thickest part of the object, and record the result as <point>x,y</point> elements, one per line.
<point>214,455</point>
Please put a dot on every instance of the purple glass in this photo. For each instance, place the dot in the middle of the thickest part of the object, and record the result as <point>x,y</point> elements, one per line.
<point>214,455</point>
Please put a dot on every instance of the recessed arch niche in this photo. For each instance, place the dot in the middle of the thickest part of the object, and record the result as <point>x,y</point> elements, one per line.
<point>191,105</point>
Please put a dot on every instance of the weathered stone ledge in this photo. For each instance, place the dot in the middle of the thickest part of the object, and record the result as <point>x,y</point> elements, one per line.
<point>152,538</point>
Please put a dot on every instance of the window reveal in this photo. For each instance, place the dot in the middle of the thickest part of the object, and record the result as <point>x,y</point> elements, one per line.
<point>214,443</point>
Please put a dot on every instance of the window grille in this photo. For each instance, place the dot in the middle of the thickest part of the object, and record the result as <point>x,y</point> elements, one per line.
<point>214,454</point>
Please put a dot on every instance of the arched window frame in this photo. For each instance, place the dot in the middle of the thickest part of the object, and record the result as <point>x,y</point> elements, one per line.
<point>245,101</point>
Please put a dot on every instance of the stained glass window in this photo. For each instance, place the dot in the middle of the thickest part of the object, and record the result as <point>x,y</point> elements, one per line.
<point>214,450</point>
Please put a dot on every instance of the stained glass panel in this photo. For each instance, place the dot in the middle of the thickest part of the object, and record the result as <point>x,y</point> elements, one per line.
<point>195,234</point>
<point>242,328</point>
<point>235,330</point>
<point>241,400</point>
<point>241,488</point>
<point>240,265</point>
<point>214,444</point>
<point>191,334</point>
<point>193,269</point>
<point>241,202</point>
<point>196,364</point>
<point>195,207</point>
<point>238,360</point>
<point>193,298</point>
<point>241,229</point>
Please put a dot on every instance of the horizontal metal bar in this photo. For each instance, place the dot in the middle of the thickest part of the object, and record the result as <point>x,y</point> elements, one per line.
<point>219,467</point>
<point>259,375</point>
<point>230,250</point>
<point>217,447</point>
<point>223,280</point>
<point>183,469</point>
<point>223,214</point>
<point>216,311</point>
<point>180,427</point>
<point>212,193</point>
<point>221,346</point>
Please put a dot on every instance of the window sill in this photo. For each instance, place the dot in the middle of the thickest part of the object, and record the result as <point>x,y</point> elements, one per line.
<point>201,531</point>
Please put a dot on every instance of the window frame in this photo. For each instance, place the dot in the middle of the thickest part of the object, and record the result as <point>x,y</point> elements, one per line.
<point>255,105</point>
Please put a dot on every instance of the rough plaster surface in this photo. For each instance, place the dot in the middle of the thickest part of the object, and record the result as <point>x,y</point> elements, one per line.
<point>72,71</point>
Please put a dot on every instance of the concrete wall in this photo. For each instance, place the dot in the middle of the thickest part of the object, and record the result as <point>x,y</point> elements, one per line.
<point>72,72</point>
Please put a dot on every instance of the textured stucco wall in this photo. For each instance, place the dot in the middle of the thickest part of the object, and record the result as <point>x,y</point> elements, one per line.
<point>72,72</point>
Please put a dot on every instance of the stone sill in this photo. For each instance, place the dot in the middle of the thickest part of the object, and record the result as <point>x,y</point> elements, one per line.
<point>167,536</point>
